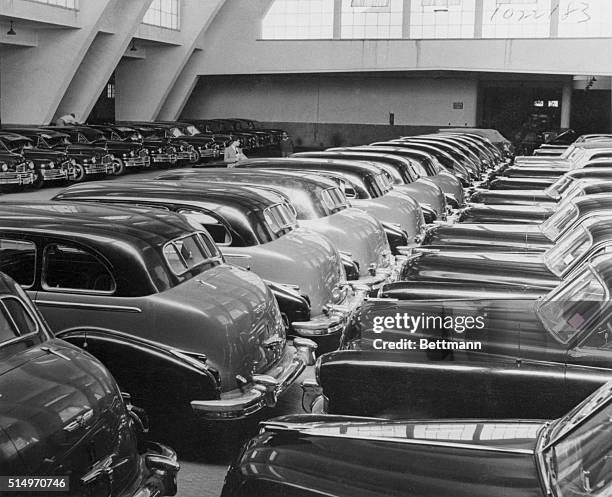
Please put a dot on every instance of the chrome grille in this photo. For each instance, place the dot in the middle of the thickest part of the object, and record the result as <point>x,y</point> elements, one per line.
<point>21,168</point>
<point>143,153</point>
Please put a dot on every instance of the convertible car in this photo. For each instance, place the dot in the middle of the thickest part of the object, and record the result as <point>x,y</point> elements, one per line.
<point>152,298</point>
<point>345,456</point>
<point>511,351</point>
<point>62,416</point>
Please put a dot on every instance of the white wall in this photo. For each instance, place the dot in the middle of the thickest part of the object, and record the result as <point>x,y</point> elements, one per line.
<point>336,98</point>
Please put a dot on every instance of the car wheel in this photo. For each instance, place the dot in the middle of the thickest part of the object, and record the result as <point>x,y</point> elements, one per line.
<point>118,167</point>
<point>38,181</point>
<point>195,157</point>
<point>79,173</point>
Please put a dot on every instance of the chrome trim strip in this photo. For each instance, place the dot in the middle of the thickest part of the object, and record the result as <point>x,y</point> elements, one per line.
<point>99,307</point>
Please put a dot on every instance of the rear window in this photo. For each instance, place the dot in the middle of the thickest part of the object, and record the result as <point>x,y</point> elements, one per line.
<point>334,199</point>
<point>280,218</point>
<point>15,320</point>
<point>190,252</point>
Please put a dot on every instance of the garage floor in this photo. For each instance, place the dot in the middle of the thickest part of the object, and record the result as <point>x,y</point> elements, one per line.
<point>204,461</point>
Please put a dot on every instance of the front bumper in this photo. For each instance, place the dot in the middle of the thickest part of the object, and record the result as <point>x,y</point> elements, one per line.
<point>164,158</point>
<point>98,167</point>
<point>12,178</point>
<point>334,318</point>
<point>55,174</point>
<point>161,468</point>
<point>264,389</point>
<point>138,162</point>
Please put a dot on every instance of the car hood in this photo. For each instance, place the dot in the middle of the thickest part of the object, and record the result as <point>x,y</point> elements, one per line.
<point>370,458</point>
<point>489,235</point>
<point>512,197</point>
<point>225,313</point>
<point>54,155</point>
<point>395,209</point>
<point>58,401</point>
<point>506,214</point>
<point>355,231</point>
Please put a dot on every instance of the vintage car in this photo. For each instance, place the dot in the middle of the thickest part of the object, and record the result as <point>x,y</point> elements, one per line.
<point>243,124</point>
<point>430,196</point>
<point>15,170</point>
<point>154,136</point>
<point>365,185</point>
<point>346,456</point>
<point>251,140</point>
<point>487,136</point>
<point>535,212</point>
<point>49,165</point>
<point>485,150</point>
<point>458,166</point>
<point>509,350</point>
<point>153,299</point>
<point>471,150</point>
<point>256,229</point>
<point>453,150</point>
<point>125,154</point>
<point>321,206</point>
<point>161,151</point>
<point>423,164</point>
<point>581,242</point>
<point>62,416</point>
<point>550,195</point>
<point>521,237</point>
<point>89,160</point>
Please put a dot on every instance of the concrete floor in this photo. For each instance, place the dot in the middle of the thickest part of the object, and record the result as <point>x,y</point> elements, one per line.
<point>204,461</point>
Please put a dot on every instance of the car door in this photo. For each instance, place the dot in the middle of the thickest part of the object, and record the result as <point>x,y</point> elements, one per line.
<point>19,259</point>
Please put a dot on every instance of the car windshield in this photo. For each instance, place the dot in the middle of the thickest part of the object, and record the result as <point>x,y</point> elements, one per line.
<point>334,199</point>
<point>568,251</point>
<point>575,190</point>
<point>190,252</point>
<point>192,130</point>
<point>280,218</point>
<point>579,460</point>
<point>562,219</point>
<point>570,308</point>
<point>15,320</point>
<point>15,146</point>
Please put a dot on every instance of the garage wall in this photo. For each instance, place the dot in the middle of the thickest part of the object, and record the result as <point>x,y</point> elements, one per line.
<point>310,104</point>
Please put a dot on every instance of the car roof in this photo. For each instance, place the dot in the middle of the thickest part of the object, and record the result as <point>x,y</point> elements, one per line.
<point>93,222</point>
<point>339,165</point>
<point>247,198</point>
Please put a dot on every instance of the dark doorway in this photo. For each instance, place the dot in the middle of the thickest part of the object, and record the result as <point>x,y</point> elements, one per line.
<point>508,109</point>
<point>591,111</point>
<point>104,109</point>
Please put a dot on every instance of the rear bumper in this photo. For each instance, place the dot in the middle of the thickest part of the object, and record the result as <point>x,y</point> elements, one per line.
<point>161,466</point>
<point>335,317</point>
<point>381,277</point>
<point>264,389</point>
<point>10,178</point>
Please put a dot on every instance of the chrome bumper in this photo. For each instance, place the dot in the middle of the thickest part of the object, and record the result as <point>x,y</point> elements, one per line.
<point>10,178</point>
<point>264,389</point>
<point>164,158</point>
<point>381,277</point>
<point>98,168</point>
<point>162,466</point>
<point>206,152</point>
<point>54,174</point>
<point>138,162</point>
<point>334,318</point>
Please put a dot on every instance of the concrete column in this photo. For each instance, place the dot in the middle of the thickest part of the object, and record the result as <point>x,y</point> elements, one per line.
<point>566,105</point>
<point>554,18</point>
<point>35,80</point>
<point>337,19</point>
<point>478,17</point>
<point>102,57</point>
<point>406,11</point>
<point>142,86</point>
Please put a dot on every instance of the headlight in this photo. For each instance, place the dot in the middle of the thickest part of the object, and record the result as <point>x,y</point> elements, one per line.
<point>125,156</point>
<point>51,165</point>
<point>160,150</point>
<point>4,167</point>
<point>73,162</point>
<point>31,165</point>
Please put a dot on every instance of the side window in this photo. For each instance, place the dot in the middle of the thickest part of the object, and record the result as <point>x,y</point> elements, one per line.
<point>68,268</point>
<point>18,260</point>
<point>600,337</point>
<point>217,231</point>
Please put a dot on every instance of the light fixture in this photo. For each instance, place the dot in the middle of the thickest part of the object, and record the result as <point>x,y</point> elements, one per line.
<point>133,47</point>
<point>11,31</point>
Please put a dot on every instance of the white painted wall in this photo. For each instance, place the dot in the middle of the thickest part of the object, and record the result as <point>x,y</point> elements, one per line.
<point>336,98</point>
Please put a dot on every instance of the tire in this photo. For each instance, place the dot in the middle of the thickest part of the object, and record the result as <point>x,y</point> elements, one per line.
<point>79,173</point>
<point>195,158</point>
<point>118,167</point>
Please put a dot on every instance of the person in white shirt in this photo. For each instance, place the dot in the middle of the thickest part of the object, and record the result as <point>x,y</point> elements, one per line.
<point>233,153</point>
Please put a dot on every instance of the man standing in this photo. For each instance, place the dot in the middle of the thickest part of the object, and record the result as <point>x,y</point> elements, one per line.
<point>286,145</point>
<point>233,153</point>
